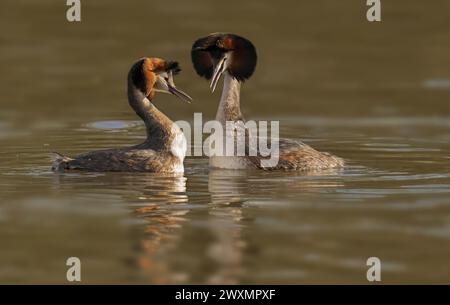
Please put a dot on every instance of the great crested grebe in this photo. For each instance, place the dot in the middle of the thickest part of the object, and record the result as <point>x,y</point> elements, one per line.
<point>235,57</point>
<point>165,147</point>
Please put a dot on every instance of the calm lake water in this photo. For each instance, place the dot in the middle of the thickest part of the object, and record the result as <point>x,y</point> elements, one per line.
<point>377,95</point>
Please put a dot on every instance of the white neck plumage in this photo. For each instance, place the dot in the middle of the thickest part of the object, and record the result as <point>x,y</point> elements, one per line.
<point>229,106</point>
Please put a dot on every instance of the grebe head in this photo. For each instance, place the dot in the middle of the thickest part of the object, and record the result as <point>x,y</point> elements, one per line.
<point>219,52</point>
<point>151,75</point>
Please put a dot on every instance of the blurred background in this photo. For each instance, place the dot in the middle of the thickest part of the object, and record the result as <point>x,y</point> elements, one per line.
<point>375,93</point>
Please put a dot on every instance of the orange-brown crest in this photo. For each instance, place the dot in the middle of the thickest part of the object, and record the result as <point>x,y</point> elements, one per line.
<point>148,69</point>
<point>154,64</point>
<point>143,73</point>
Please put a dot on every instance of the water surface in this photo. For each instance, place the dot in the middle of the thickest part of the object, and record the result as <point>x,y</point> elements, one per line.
<point>375,94</point>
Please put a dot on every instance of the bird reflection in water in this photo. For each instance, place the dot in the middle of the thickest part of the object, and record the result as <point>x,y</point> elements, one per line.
<point>228,189</point>
<point>159,199</point>
<point>200,236</point>
<point>163,222</point>
<point>232,191</point>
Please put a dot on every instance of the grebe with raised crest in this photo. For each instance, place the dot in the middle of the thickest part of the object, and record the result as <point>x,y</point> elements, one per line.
<point>235,57</point>
<point>165,147</point>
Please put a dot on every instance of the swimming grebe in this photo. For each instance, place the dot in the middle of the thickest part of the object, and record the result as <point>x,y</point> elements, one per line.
<point>235,57</point>
<point>165,147</point>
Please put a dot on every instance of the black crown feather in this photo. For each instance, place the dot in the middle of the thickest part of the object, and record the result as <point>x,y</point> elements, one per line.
<point>174,67</point>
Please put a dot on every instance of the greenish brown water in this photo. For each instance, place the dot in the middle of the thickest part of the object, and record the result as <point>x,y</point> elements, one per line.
<point>377,95</point>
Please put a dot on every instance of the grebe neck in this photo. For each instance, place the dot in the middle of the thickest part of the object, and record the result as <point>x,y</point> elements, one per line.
<point>160,129</point>
<point>229,106</point>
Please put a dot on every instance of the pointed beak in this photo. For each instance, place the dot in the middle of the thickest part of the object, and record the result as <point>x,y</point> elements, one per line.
<point>219,68</point>
<point>168,86</point>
